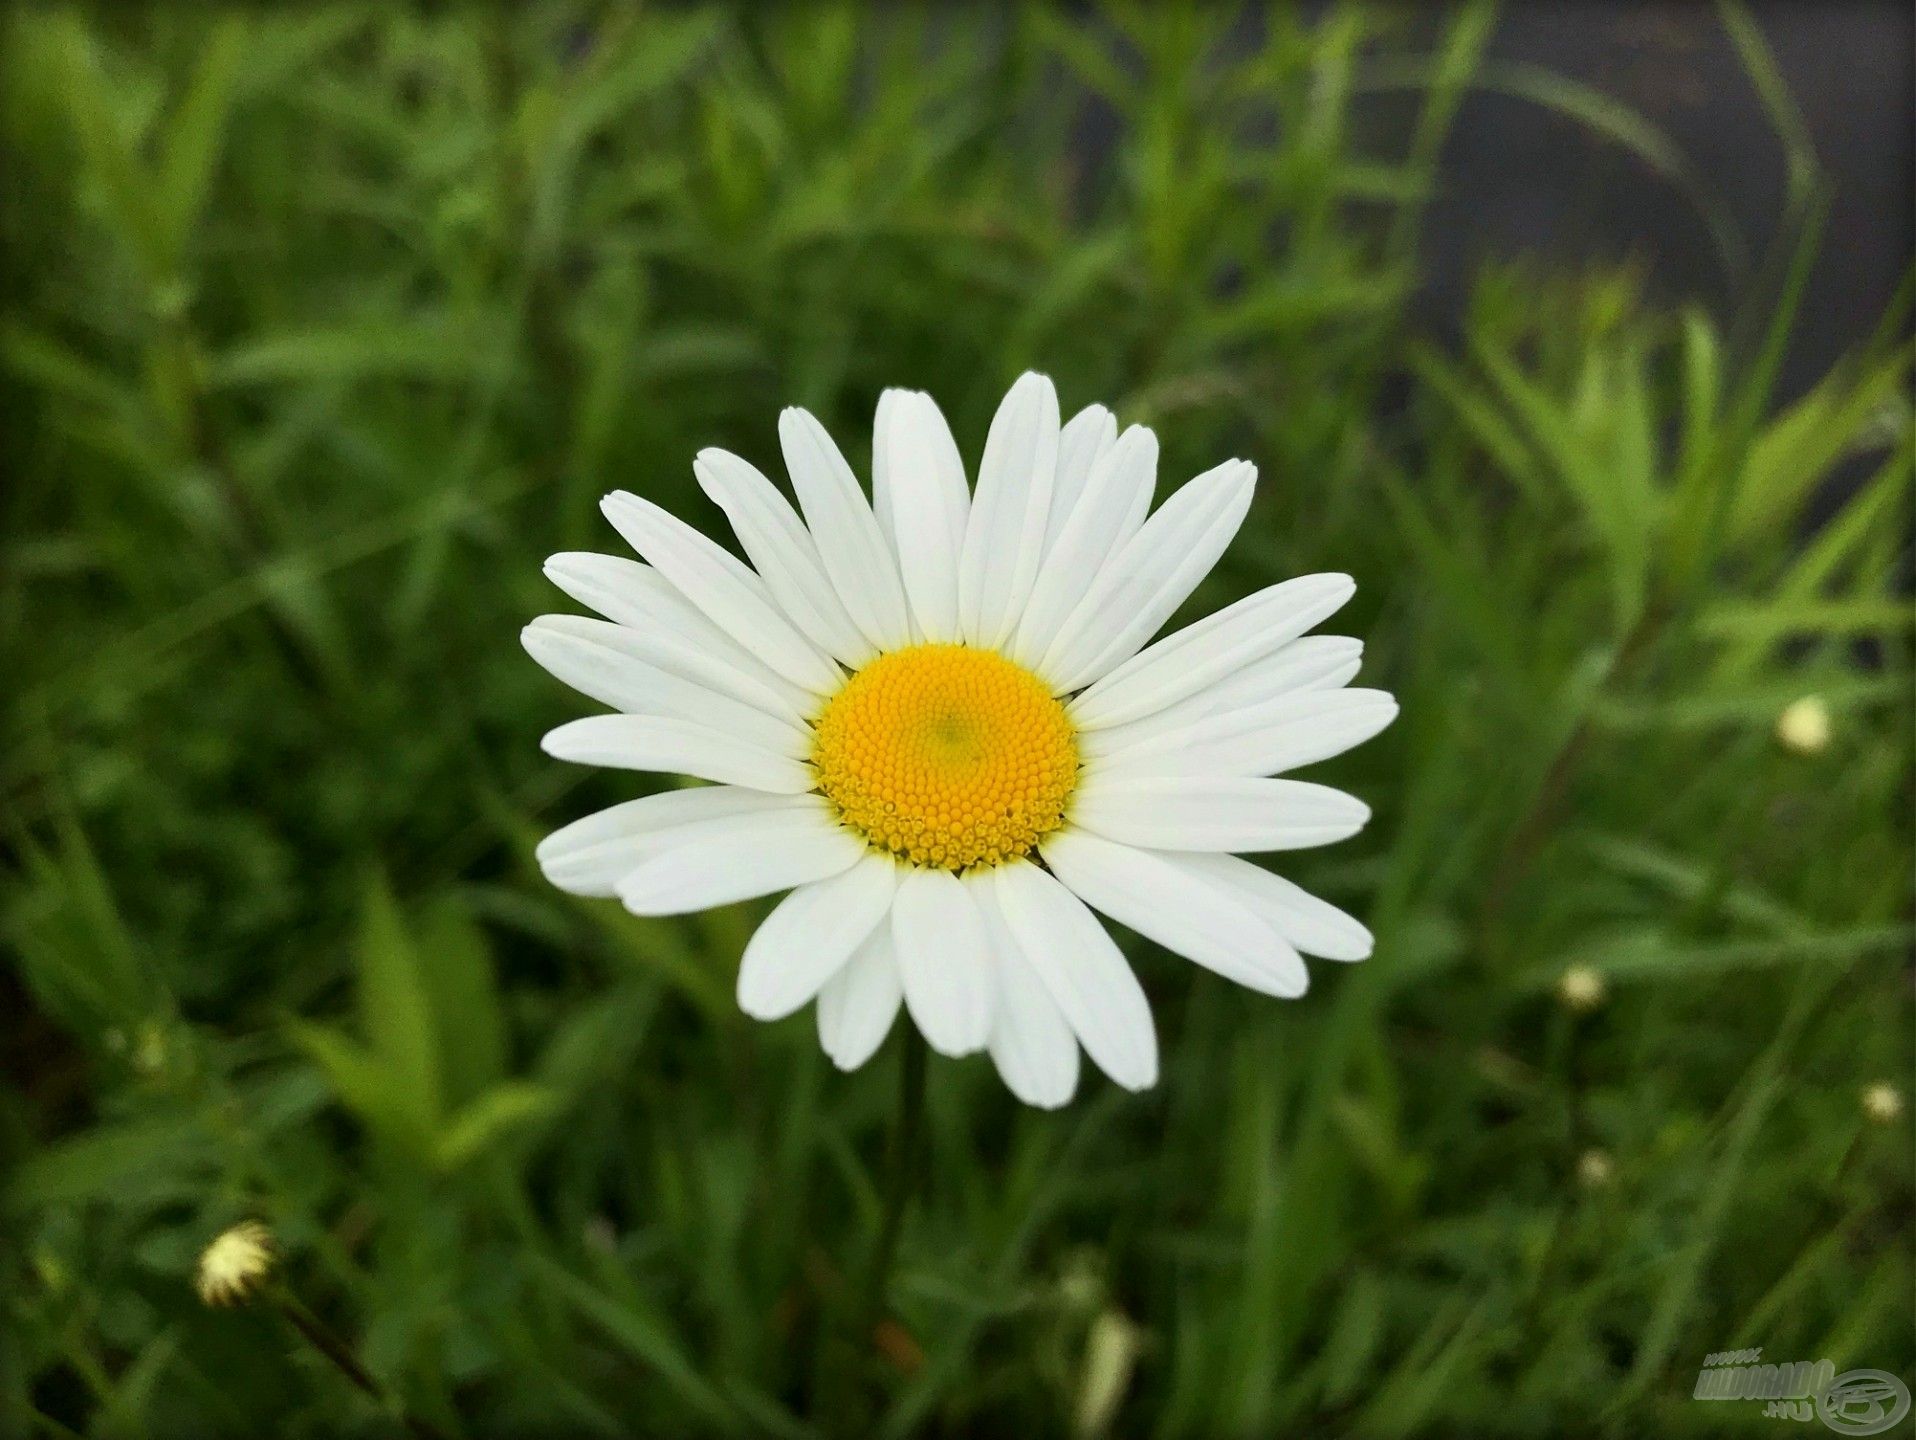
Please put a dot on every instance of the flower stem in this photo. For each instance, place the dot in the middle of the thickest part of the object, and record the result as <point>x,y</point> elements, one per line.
<point>901,1165</point>
<point>317,1334</point>
<point>845,1398</point>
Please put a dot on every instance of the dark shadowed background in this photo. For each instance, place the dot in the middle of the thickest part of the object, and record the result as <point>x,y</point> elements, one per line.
<point>1516,174</point>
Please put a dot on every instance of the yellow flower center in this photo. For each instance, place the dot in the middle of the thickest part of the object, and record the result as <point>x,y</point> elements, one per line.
<point>947,756</point>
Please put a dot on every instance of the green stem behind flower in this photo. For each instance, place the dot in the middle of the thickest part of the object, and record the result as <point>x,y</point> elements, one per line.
<point>902,1166</point>
<point>315,1332</point>
<point>844,1401</point>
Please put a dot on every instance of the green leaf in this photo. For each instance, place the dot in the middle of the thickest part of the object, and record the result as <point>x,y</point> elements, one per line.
<point>363,1084</point>
<point>1776,619</point>
<point>197,132</point>
<point>1795,451</point>
<point>420,348</point>
<point>1083,51</point>
<point>395,1009</point>
<point>456,971</point>
<point>111,153</point>
<point>1786,119</point>
<point>75,949</point>
<point>1486,423</point>
<point>1650,954</point>
<point>1758,705</point>
<point>643,1335</point>
<point>1356,1331</point>
<point>154,1155</point>
<point>492,1119</point>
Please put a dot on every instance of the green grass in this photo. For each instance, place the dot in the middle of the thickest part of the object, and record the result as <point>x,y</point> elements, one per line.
<point>326,323</point>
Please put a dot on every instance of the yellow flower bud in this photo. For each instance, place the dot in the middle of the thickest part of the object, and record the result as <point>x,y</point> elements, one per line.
<point>1882,1102</point>
<point>1110,1354</point>
<point>1595,1169</point>
<point>1804,726</point>
<point>1581,988</point>
<point>235,1265</point>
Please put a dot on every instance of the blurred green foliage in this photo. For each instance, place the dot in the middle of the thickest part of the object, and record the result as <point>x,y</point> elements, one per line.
<point>326,323</point>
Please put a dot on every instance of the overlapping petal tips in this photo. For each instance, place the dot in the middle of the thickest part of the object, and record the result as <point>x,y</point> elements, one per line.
<point>944,958</point>
<point>740,858</point>
<point>591,855</point>
<point>1136,591</point>
<point>1183,909</point>
<point>1085,437</point>
<point>857,1006</point>
<point>723,589</point>
<point>1226,812</point>
<point>1211,650</point>
<point>675,635</point>
<point>1032,1043</point>
<point>810,936</point>
<point>1313,926</point>
<point>677,747</point>
<point>783,552</point>
<point>923,505</point>
<point>1005,534</point>
<point>1316,662</point>
<point>1082,969</point>
<point>1267,739</point>
<point>1109,512</point>
<point>855,554</point>
<point>615,665</point>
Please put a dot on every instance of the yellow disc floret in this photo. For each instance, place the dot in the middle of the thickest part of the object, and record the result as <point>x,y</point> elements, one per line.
<point>947,757</point>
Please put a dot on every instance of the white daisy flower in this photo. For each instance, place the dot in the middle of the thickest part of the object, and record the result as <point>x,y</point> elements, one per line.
<point>935,720</point>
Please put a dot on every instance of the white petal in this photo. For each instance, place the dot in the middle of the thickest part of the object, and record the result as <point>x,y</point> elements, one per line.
<point>926,505</point>
<point>674,634</point>
<point>1116,497</point>
<point>680,747</point>
<point>810,936</point>
<point>1136,591</point>
<point>1083,971</point>
<point>1086,436</point>
<point>606,662</point>
<point>739,857</point>
<point>1215,647</point>
<point>589,856</point>
<point>881,473</point>
<point>1317,662</point>
<point>723,589</point>
<point>1004,539</point>
<point>782,550</point>
<point>943,960</point>
<point>1314,926</point>
<point>1031,1041</point>
<point>855,554</point>
<point>1175,812</point>
<point>858,1004</point>
<point>1263,740</point>
<point>1183,910</point>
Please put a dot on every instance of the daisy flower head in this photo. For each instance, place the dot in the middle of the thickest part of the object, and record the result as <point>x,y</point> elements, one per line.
<point>935,717</point>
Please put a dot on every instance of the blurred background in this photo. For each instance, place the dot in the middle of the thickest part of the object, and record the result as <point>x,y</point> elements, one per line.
<point>1578,333</point>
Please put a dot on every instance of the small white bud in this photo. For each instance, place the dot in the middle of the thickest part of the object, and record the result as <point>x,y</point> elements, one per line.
<point>235,1265</point>
<point>1882,1102</point>
<point>1582,988</point>
<point>1804,727</point>
<point>1595,1169</point>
